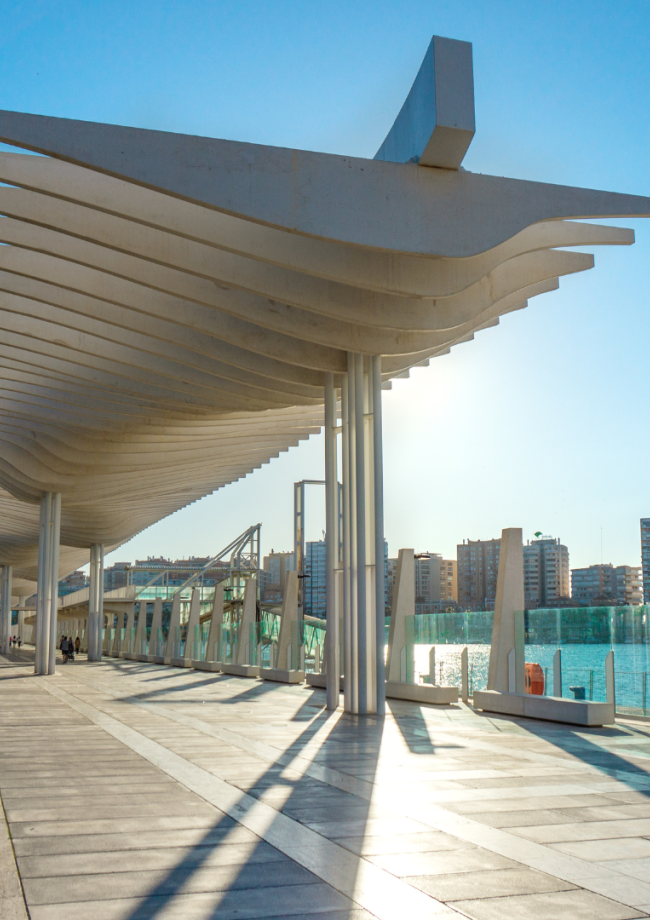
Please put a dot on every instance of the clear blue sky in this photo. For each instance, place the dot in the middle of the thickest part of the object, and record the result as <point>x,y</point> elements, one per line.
<point>542,422</point>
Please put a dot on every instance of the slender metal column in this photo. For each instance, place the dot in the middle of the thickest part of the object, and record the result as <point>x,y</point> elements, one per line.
<point>380,600</point>
<point>361,554</point>
<point>331,544</point>
<point>347,541</point>
<point>353,677</point>
<point>5,608</point>
<point>47,597</point>
<point>42,639</point>
<point>54,541</point>
<point>96,602</point>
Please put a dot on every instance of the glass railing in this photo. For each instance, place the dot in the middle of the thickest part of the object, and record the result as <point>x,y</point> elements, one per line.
<point>585,635</point>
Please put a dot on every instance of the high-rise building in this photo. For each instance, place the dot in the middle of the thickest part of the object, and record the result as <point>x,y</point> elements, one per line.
<point>273,575</point>
<point>546,572</point>
<point>116,576</point>
<point>448,582</point>
<point>314,587</point>
<point>427,579</point>
<point>599,584</point>
<point>629,585</point>
<point>477,570</point>
<point>645,557</point>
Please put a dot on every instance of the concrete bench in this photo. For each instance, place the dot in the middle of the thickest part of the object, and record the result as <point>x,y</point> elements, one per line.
<point>550,708</point>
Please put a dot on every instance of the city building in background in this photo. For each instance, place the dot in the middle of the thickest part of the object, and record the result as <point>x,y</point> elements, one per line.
<point>477,570</point>
<point>391,575</point>
<point>546,573</point>
<point>273,575</point>
<point>645,557</point>
<point>73,582</point>
<point>606,584</point>
<point>116,576</point>
<point>143,571</point>
<point>448,583</point>
<point>435,583</point>
<point>315,581</point>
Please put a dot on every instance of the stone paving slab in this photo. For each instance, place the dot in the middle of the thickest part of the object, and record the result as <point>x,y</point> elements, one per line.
<point>136,791</point>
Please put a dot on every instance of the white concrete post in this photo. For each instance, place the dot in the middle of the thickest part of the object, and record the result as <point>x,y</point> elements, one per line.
<point>140,629</point>
<point>464,675</point>
<point>249,615</point>
<point>174,629</point>
<point>610,681</point>
<point>125,644</point>
<point>156,628</point>
<point>403,606</point>
<point>507,633</point>
<point>48,580</point>
<point>332,544</point>
<point>96,602</point>
<point>216,622</point>
<point>432,664</point>
<point>5,608</point>
<point>289,616</point>
<point>189,652</point>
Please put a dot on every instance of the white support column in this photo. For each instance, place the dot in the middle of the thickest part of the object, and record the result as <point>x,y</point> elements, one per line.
<point>508,626</point>
<point>155,646</point>
<point>47,599</point>
<point>348,613</point>
<point>193,650</point>
<point>216,622</point>
<point>332,545</point>
<point>172,645</point>
<point>380,566</point>
<point>96,602</point>
<point>363,536</point>
<point>141,628</point>
<point>5,609</point>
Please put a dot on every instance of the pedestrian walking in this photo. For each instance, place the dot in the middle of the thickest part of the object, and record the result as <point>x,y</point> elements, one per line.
<point>77,645</point>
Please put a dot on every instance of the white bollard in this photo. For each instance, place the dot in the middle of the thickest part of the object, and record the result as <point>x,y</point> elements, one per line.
<point>464,675</point>
<point>610,681</point>
<point>557,674</point>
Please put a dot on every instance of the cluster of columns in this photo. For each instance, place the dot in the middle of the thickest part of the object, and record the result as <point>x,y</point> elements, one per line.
<point>355,578</point>
<point>47,594</point>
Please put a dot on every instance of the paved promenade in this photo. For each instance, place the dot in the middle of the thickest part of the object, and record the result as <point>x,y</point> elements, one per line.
<point>133,791</point>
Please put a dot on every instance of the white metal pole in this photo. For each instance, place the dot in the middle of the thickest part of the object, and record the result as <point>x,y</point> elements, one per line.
<point>361,560</point>
<point>5,608</point>
<point>354,561</point>
<point>92,607</point>
<point>41,642</point>
<point>55,539</point>
<point>331,545</point>
<point>100,596</point>
<point>380,574</point>
<point>347,543</point>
